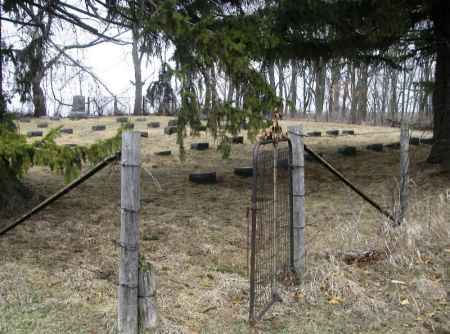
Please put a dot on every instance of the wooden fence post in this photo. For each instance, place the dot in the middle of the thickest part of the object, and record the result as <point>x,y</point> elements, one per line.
<point>298,193</point>
<point>129,234</point>
<point>404,175</point>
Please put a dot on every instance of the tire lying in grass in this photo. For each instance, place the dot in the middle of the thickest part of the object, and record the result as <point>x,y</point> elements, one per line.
<point>163,153</point>
<point>375,147</point>
<point>99,128</point>
<point>203,178</point>
<point>122,119</point>
<point>199,146</point>
<point>427,141</point>
<point>237,140</point>
<point>333,132</point>
<point>66,131</point>
<point>348,132</point>
<point>172,122</point>
<point>394,146</point>
<point>34,134</point>
<point>347,151</point>
<point>170,130</point>
<point>42,125</point>
<point>314,134</point>
<point>153,125</point>
<point>144,134</point>
<point>243,171</point>
<point>128,126</point>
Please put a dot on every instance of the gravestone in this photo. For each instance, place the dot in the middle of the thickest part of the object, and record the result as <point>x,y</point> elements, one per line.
<point>244,171</point>
<point>144,134</point>
<point>163,153</point>
<point>122,119</point>
<point>348,132</point>
<point>42,125</point>
<point>203,178</point>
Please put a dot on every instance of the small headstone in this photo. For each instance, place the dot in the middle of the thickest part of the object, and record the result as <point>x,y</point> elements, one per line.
<point>77,115</point>
<point>237,140</point>
<point>347,151</point>
<point>144,134</point>
<point>414,141</point>
<point>163,153</point>
<point>141,119</point>
<point>99,128</point>
<point>153,125</point>
<point>333,132</point>
<point>203,178</point>
<point>314,134</point>
<point>199,146</point>
<point>243,171</point>
<point>34,134</point>
<point>42,125</point>
<point>348,132</point>
<point>172,122</point>
<point>122,119</point>
<point>25,120</point>
<point>66,131</point>
<point>55,118</point>
<point>394,146</point>
<point>375,147</point>
<point>170,130</point>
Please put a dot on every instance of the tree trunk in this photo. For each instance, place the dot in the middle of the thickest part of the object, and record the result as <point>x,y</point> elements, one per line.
<point>40,109</point>
<point>319,92</point>
<point>293,88</point>
<point>362,89</point>
<point>138,84</point>
<point>345,94</point>
<point>440,151</point>
<point>355,95</point>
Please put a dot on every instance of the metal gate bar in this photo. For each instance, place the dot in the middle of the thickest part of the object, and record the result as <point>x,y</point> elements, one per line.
<point>271,225</point>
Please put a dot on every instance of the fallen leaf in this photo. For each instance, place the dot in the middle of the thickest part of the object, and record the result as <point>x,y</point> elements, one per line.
<point>398,282</point>
<point>404,302</point>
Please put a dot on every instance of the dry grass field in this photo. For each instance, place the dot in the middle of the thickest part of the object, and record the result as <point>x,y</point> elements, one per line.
<point>59,270</point>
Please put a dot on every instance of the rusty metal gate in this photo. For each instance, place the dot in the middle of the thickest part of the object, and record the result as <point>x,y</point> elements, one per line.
<point>270,230</point>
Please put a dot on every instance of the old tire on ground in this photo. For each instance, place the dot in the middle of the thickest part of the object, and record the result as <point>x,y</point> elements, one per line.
<point>237,140</point>
<point>199,146</point>
<point>394,146</point>
<point>333,132</point>
<point>170,130</point>
<point>163,153</point>
<point>66,131</point>
<point>314,134</point>
<point>34,134</point>
<point>243,171</point>
<point>203,178</point>
<point>99,128</point>
<point>347,151</point>
<point>375,147</point>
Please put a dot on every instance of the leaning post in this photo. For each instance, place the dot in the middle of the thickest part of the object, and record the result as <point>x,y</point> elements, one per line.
<point>404,168</point>
<point>129,233</point>
<point>298,203</point>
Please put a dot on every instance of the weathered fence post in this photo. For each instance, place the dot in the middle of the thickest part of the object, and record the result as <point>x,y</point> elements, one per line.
<point>129,234</point>
<point>147,309</point>
<point>404,175</point>
<point>298,193</point>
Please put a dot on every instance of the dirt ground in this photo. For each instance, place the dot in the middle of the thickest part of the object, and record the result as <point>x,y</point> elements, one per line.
<point>59,270</point>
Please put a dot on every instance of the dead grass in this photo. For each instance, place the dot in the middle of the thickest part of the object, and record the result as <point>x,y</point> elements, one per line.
<point>58,271</point>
